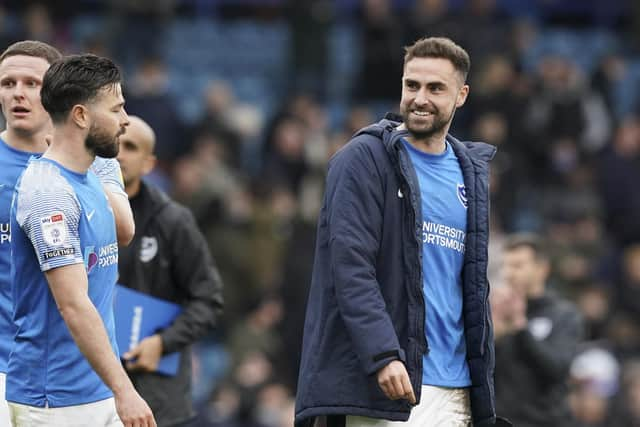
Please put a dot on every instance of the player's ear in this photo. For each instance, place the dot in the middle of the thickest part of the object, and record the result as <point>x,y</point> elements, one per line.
<point>462,96</point>
<point>80,116</point>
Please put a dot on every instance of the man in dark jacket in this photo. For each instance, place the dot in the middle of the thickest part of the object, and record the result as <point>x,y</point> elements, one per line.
<point>168,259</point>
<point>398,324</point>
<point>537,335</point>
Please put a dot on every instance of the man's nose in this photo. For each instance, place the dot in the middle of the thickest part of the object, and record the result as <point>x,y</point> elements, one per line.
<point>421,97</point>
<point>18,91</point>
<point>124,120</point>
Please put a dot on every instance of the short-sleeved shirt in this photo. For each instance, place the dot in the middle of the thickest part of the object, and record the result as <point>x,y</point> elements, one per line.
<point>58,218</point>
<point>12,163</point>
<point>444,228</point>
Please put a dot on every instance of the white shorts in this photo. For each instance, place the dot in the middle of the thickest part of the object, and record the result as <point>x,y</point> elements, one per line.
<point>439,407</point>
<point>4,408</point>
<point>95,414</point>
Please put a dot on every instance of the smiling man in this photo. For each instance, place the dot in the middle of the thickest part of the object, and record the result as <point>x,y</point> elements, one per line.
<point>398,325</point>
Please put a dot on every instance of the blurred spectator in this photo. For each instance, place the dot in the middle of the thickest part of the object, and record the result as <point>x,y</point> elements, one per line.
<point>381,44</point>
<point>218,101</point>
<point>627,412</point>
<point>537,335</point>
<point>232,123</point>
<point>296,271</point>
<point>285,162</point>
<point>618,168</point>
<point>566,120</point>
<point>610,80</point>
<point>309,23</point>
<point>490,28</point>
<point>431,18</point>
<point>39,25</point>
<point>629,287</point>
<point>594,376</point>
<point>148,97</point>
<point>137,27</point>
<point>257,333</point>
<point>596,304</point>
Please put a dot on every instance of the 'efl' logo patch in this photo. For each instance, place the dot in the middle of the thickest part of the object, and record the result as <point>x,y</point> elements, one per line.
<point>54,229</point>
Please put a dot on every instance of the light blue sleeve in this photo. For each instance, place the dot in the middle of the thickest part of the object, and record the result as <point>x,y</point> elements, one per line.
<point>48,212</point>
<point>110,175</point>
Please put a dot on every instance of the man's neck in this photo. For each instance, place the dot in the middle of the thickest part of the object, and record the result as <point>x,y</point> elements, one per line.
<point>68,148</point>
<point>434,144</point>
<point>25,141</point>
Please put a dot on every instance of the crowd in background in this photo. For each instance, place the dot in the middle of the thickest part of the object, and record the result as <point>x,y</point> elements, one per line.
<point>555,86</point>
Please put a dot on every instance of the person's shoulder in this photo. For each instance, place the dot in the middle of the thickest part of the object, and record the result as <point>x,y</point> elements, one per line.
<point>367,141</point>
<point>43,188</point>
<point>44,177</point>
<point>164,205</point>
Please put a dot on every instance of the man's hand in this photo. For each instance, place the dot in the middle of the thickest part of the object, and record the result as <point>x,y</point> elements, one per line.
<point>133,410</point>
<point>394,381</point>
<point>146,355</point>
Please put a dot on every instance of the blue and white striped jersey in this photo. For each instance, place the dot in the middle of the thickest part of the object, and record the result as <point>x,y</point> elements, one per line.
<point>58,218</point>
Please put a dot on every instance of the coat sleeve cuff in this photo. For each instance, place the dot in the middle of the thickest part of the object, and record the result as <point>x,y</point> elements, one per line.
<point>168,344</point>
<point>380,360</point>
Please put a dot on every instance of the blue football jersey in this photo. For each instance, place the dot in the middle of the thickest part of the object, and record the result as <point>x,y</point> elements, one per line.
<point>444,228</point>
<point>58,218</point>
<point>12,163</point>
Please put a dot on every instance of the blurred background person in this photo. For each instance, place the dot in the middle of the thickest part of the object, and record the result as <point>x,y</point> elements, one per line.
<point>537,335</point>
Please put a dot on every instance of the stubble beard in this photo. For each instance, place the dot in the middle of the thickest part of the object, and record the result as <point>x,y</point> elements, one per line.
<point>438,125</point>
<point>101,144</point>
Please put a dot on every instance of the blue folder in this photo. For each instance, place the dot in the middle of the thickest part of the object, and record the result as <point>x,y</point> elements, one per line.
<point>137,316</point>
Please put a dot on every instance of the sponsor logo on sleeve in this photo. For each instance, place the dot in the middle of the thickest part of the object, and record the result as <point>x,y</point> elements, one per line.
<point>54,229</point>
<point>55,253</point>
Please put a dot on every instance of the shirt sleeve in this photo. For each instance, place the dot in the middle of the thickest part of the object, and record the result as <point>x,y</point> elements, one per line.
<point>110,175</point>
<point>50,218</point>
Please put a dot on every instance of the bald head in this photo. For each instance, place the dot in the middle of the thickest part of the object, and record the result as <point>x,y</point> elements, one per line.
<point>141,133</point>
<point>136,153</point>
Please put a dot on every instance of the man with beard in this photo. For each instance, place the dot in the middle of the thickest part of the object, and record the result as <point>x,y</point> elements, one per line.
<point>22,67</point>
<point>64,368</point>
<point>398,326</point>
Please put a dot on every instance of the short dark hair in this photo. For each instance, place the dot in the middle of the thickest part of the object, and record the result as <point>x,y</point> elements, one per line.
<point>528,240</point>
<point>440,47</point>
<point>76,79</point>
<point>33,48</point>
